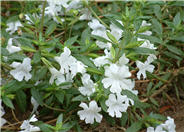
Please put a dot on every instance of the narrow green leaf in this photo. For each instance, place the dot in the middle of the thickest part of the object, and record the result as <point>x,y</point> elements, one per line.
<point>50,29</point>
<point>111,37</point>
<point>7,102</point>
<point>60,96</point>
<point>135,127</point>
<point>21,100</point>
<point>157,26</point>
<point>37,96</point>
<point>71,41</point>
<point>177,20</point>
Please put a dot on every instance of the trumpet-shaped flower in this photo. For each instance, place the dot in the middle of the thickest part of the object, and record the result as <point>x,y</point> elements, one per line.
<point>102,60</point>
<point>2,112</point>
<point>89,86</point>
<point>116,78</point>
<point>11,48</point>
<point>27,127</point>
<point>21,70</point>
<point>59,76</point>
<point>116,31</point>
<point>89,114</point>
<point>146,66</point>
<point>146,44</point>
<point>13,26</point>
<point>118,105</point>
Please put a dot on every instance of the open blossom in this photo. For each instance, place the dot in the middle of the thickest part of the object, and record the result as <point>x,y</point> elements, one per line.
<point>168,126</point>
<point>146,66</point>
<point>27,127</point>
<point>2,112</point>
<point>21,70</point>
<point>69,64</point>
<point>144,23</point>
<point>13,26</point>
<point>89,114</point>
<point>122,60</point>
<point>116,31</point>
<point>102,60</point>
<point>146,44</point>
<point>89,86</point>
<point>59,76</point>
<point>11,48</point>
<point>116,78</point>
<point>118,105</point>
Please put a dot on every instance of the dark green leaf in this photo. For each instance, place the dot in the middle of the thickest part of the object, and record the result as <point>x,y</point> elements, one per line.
<point>7,102</point>
<point>37,96</point>
<point>60,96</point>
<point>50,29</point>
<point>21,100</point>
<point>135,127</point>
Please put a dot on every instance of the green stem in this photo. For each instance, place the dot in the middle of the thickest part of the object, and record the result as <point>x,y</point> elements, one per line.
<point>97,17</point>
<point>43,14</point>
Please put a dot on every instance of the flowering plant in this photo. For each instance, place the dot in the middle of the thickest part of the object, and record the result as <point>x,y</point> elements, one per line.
<point>67,60</point>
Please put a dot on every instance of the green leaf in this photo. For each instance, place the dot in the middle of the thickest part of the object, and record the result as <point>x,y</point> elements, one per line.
<point>28,49</point>
<point>111,37</point>
<point>124,118</point>
<point>102,103</point>
<point>70,41</point>
<point>94,70</point>
<point>60,96</point>
<point>142,51</point>
<point>37,96</point>
<point>79,98</point>
<point>177,20</point>
<point>44,127</point>
<point>40,73</point>
<point>113,53</point>
<point>157,26</point>
<point>157,11</point>
<point>21,100</point>
<point>59,119</point>
<point>100,38</point>
<point>135,127</point>
<point>85,60</point>
<point>175,50</point>
<point>154,101</point>
<point>7,102</point>
<point>50,29</point>
<point>36,57</point>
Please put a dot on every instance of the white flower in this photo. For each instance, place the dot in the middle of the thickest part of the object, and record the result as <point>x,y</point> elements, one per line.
<point>13,26</point>
<point>146,44</point>
<point>116,31</point>
<point>98,29</point>
<point>65,60</point>
<point>89,86</point>
<point>144,23</point>
<point>2,112</point>
<point>74,4</point>
<point>123,60</point>
<point>58,75</point>
<point>116,78</point>
<point>86,14</point>
<point>157,129</point>
<point>102,60</point>
<point>89,114</point>
<point>21,70</point>
<point>168,126</point>
<point>11,48</point>
<point>77,67</point>
<point>118,105</point>
<point>35,105</point>
<point>27,127</point>
<point>69,64</point>
<point>146,66</point>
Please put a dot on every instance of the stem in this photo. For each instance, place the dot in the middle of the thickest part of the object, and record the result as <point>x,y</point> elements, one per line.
<point>43,14</point>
